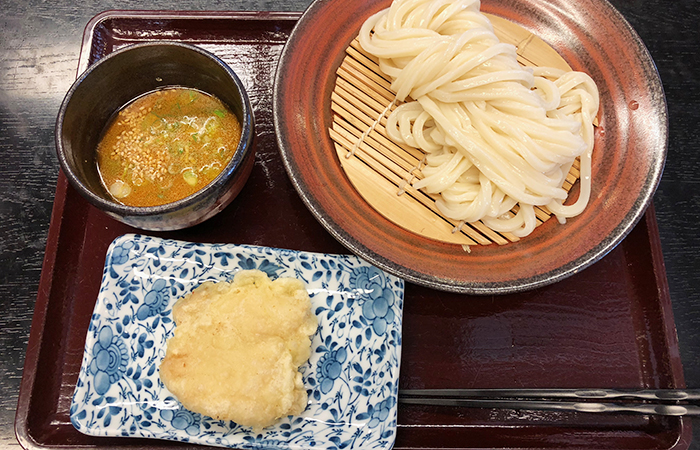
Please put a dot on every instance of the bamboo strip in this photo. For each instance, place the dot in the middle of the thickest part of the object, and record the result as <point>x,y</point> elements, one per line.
<point>356,51</point>
<point>354,115</point>
<point>373,75</point>
<point>374,154</point>
<point>394,206</point>
<point>362,81</point>
<point>365,97</point>
<point>373,149</point>
<point>368,155</point>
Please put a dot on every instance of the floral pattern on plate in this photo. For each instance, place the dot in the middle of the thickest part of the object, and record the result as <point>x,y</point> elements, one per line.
<point>351,377</point>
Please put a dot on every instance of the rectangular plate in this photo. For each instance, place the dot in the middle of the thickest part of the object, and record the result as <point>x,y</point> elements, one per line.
<point>609,326</point>
<point>352,375</point>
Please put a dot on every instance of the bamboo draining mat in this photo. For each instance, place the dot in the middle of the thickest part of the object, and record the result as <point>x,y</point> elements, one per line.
<point>381,170</point>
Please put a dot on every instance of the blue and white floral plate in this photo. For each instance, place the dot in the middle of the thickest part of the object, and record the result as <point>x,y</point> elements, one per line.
<point>352,375</point>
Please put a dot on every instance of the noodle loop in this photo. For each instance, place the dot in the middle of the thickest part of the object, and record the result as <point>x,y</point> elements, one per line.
<point>497,136</point>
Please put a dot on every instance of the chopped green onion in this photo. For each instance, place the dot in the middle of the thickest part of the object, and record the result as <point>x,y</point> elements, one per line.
<point>190,177</point>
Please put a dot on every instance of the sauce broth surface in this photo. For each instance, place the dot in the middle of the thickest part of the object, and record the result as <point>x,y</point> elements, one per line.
<point>166,145</point>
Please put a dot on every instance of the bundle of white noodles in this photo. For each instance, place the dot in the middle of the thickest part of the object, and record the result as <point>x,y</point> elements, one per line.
<point>495,134</point>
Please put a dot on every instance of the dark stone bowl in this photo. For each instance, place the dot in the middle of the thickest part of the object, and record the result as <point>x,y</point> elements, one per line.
<point>124,75</point>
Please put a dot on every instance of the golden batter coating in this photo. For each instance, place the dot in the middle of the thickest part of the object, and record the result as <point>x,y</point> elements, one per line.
<point>237,348</point>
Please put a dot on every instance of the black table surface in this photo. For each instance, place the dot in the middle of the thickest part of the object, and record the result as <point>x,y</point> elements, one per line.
<point>39,49</point>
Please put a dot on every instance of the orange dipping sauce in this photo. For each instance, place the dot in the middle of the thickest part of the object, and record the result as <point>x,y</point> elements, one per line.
<point>165,146</point>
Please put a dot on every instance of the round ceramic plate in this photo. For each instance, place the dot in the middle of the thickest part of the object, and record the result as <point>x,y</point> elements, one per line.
<point>629,155</point>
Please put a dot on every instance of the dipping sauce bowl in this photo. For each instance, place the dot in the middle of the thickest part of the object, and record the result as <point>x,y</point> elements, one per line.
<point>119,78</point>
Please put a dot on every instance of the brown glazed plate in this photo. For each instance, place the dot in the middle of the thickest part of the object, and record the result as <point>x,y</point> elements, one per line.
<point>628,160</point>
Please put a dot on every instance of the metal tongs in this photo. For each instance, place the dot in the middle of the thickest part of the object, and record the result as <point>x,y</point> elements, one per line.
<point>666,402</point>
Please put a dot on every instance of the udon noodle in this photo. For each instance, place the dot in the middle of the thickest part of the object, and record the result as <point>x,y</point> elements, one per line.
<point>497,136</point>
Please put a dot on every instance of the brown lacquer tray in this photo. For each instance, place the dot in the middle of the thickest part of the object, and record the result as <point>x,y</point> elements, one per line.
<point>609,326</point>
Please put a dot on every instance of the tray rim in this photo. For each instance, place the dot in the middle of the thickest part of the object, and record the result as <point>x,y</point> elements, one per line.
<point>46,282</point>
<point>88,33</point>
